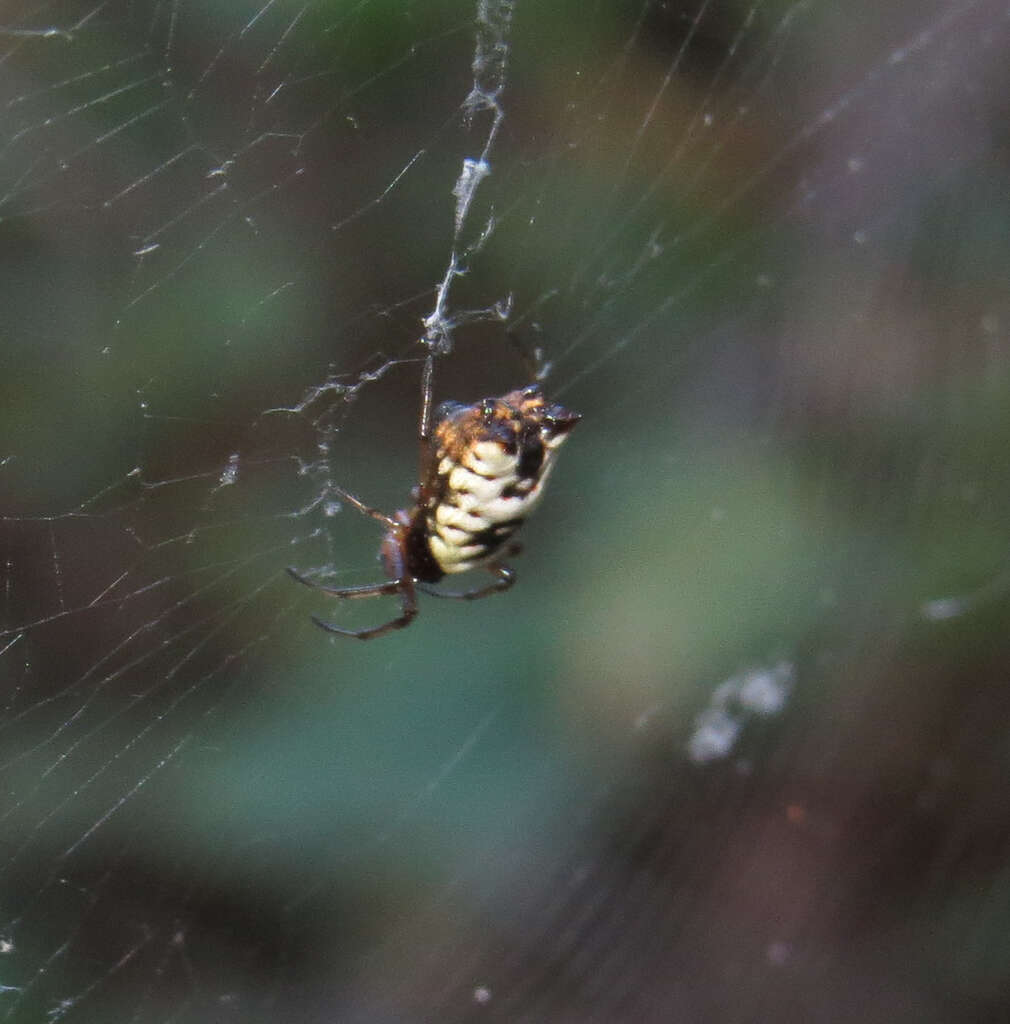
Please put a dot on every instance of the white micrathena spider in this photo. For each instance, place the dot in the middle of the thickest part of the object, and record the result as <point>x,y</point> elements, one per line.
<point>483,470</point>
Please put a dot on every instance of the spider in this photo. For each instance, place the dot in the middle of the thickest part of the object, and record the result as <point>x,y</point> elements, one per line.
<point>483,470</point>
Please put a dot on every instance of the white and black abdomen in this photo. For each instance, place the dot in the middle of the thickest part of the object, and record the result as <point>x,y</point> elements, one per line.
<point>493,476</point>
<point>486,499</point>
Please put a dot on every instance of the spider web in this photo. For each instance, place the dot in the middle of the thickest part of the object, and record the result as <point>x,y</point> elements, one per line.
<point>733,747</point>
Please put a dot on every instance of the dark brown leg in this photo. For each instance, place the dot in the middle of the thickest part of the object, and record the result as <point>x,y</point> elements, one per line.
<point>409,610</point>
<point>402,585</point>
<point>505,578</point>
<point>368,590</point>
<point>366,510</point>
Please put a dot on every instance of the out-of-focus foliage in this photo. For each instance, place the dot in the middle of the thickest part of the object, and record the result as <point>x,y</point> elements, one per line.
<point>734,748</point>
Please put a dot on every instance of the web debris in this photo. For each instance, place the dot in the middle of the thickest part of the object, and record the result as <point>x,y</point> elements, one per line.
<point>143,615</point>
<point>754,693</point>
<point>494,20</point>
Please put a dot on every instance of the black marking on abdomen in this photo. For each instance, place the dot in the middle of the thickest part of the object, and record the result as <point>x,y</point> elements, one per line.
<point>531,457</point>
<point>494,537</point>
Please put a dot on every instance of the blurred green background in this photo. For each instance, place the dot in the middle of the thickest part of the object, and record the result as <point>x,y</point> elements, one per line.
<point>764,248</point>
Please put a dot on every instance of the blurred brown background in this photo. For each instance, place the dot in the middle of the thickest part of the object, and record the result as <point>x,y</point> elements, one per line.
<point>735,747</point>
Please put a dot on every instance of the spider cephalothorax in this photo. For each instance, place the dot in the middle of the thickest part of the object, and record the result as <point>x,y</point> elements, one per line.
<point>484,467</point>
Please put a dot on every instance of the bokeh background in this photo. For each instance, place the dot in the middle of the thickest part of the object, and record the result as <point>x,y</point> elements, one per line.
<point>735,747</point>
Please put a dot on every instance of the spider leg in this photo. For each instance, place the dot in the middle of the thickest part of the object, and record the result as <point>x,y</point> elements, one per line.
<point>402,583</point>
<point>409,609</point>
<point>505,577</point>
<point>536,367</point>
<point>365,510</point>
<point>426,452</point>
<point>368,590</point>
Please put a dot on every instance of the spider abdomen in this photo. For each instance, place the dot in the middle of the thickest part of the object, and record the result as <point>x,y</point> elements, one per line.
<point>484,471</point>
<point>486,496</point>
<point>473,519</point>
<point>489,464</point>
